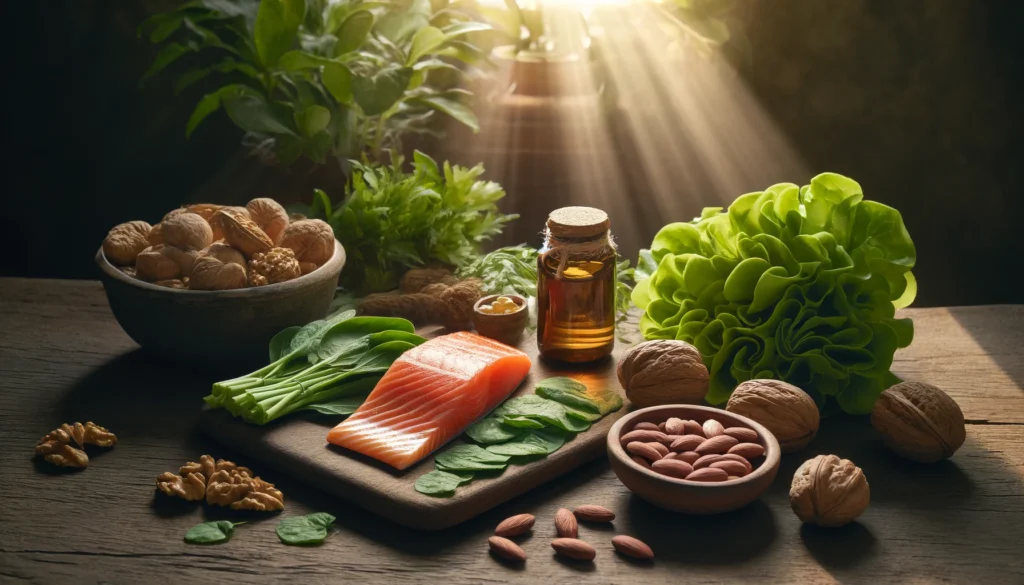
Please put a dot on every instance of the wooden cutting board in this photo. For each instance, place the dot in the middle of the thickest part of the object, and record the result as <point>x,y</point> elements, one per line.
<point>297,445</point>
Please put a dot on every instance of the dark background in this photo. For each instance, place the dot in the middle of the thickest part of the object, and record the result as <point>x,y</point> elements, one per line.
<point>920,101</point>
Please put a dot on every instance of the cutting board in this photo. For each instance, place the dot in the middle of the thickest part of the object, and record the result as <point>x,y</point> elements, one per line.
<point>296,445</point>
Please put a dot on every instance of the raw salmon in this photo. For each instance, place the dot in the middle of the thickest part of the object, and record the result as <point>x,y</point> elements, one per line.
<point>430,395</point>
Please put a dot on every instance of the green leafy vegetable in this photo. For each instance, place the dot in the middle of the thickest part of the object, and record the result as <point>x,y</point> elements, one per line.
<point>211,532</point>
<point>392,220</point>
<point>518,432</point>
<point>795,283</point>
<point>308,529</point>
<point>441,484</point>
<point>511,270</point>
<point>325,366</point>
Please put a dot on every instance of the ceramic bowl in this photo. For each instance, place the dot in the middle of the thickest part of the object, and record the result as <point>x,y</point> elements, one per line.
<point>693,497</point>
<point>224,329</point>
<point>506,328</point>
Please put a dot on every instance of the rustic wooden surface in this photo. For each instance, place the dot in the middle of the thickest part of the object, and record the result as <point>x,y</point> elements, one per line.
<point>296,446</point>
<point>63,358</point>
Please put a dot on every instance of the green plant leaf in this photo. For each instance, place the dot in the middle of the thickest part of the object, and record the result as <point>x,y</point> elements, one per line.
<point>490,430</point>
<point>304,530</point>
<point>300,60</point>
<point>377,93</point>
<point>170,53</point>
<point>535,442</point>
<point>540,409</point>
<point>312,120</point>
<point>453,108</point>
<point>210,532</point>
<point>441,484</point>
<point>460,28</point>
<point>211,102</point>
<point>469,458</point>
<point>280,344</point>
<point>338,81</point>
<point>342,406</point>
<point>601,399</point>
<point>321,204</point>
<point>276,28</point>
<point>353,32</point>
<point>252,113</point>
<point>425,41</point>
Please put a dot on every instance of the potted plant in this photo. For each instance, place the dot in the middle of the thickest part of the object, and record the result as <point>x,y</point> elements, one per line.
<point>323,80</point>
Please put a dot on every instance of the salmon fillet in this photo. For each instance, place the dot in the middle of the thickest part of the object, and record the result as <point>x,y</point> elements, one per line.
<point>430,395</point>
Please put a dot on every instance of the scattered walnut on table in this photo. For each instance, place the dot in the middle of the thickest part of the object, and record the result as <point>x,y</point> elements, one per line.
<point>663,371</point>
<point>191,487</point>
<point>221,483</point>
<point>64,446</point>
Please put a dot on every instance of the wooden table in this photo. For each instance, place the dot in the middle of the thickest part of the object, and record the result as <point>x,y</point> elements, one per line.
<point>64,358</point>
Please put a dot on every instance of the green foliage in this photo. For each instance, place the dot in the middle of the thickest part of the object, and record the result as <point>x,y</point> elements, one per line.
<point>326,366</point>
<point>318,78</point>
<point>392,220</point>
<point>511,270</point>
<point>211,532</point>
<point>519,431</point>
<point>794,283</point>
<point>305,530</point>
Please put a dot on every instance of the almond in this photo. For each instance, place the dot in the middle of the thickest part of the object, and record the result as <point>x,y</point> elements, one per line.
<point>565,524</point>
<point>731,467</point>
<point>515,525</point>
<point>632,547</point>
<point>592,513</point>
<point>747,450</point>
<point>742,434</point>
<point>644,436</point>
<point>717,444</point>
<point>645,426</point>
<point>661,427</point>
<point>705,461</point>
<point>735,457</point>
<point>674,467</point>
<point>708,474</point>
<point>506,549</point>
<point>574,548</point>
<point>659,447</point>
<point>687,443</point>
<point>643,450</point>
<point>641,462</point>
<point>693,427</point>
<point>690,457</point>
<point>675,426</point>
<point>713,428</point>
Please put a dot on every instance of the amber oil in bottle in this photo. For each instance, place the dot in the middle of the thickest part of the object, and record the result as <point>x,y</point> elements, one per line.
<point>576,286</point>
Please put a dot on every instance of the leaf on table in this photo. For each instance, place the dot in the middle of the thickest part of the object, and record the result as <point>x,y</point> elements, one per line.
<point>469,458</point>
<point>309,529</point>
<point>441,484</point>
<point>210,532</point>
<point>535,442</point>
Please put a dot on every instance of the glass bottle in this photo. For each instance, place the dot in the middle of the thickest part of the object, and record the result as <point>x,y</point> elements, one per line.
<point>576,286</point>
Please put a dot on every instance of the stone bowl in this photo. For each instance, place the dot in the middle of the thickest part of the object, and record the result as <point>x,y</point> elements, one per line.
<point>693,497</point>
<point>506,328</point>
<point>217,330</point>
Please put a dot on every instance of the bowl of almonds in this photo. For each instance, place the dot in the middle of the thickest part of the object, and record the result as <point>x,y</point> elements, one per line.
<point>693,459</point>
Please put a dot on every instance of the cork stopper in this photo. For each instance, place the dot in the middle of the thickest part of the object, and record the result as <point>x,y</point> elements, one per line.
<point>578,222</point>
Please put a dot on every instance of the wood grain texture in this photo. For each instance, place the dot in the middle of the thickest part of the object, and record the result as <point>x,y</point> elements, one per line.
<point>63,358</point>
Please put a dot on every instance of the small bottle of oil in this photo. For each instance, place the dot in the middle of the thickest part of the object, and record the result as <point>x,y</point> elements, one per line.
<point>576,286</point>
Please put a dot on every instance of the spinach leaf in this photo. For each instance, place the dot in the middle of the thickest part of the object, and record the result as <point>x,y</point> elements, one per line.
<point>469,458</point>
<point>441,484</point>
<point>280,344</point>
<point>542,410</point>
<point>211,532</point>
<point>309,529</point>
<point>576,395</point>
<point>490,430</point>
<point>347,334</point>
<point>521,422</point>
<point>537,442</point>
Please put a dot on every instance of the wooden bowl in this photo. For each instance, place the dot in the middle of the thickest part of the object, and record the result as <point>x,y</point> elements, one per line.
<point>693,497</point>
<point>506,328</point>
<point>224,329</point>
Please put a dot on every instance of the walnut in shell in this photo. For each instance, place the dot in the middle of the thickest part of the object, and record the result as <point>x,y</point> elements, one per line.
<point>277,265</point>
<point>269,215</point>
<point>919,421</point>
<point>204,210</point>
<point>215,223</point>
<point>210,273</point>
<point>312,240</point>
<point>242,233</point>
<point>785,410</point>
<point>663,371</point>
<point>186,231</point>
<point>224,253</point>
<point>158,263</point>
<point>125,241</point>
<point>156,235</point>
<point>829,491</point>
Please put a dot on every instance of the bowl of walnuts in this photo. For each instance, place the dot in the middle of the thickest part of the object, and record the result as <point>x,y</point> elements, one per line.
<point>210,284</point>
